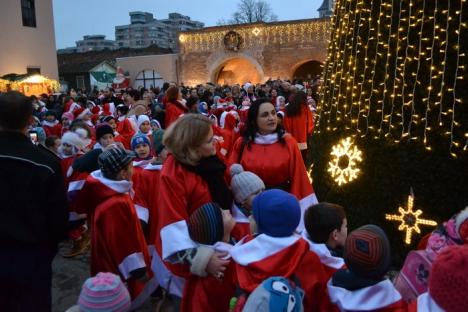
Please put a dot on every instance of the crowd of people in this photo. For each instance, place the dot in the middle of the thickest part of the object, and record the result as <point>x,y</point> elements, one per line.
<point>200,196</point>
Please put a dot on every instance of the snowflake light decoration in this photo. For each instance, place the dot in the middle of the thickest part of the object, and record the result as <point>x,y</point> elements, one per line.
<point>256,31</point>
<point>409,219</point>
<point>345,157</point>
<point>309,173</point>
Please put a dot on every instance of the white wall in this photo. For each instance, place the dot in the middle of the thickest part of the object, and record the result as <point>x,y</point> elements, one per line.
<point>27,46</point>
<point>164,65</point>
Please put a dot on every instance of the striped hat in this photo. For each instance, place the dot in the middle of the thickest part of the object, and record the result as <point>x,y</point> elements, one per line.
<point>104,292</point>
<point>367,252</point>
<point>206,224</point>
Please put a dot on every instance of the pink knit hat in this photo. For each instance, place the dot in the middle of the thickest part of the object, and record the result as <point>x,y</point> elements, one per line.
<point>104,292</point>
<point>68,115</point>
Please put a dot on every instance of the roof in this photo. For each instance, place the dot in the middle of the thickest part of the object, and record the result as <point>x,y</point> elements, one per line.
<point>325,6</point>
<point>72,63</point>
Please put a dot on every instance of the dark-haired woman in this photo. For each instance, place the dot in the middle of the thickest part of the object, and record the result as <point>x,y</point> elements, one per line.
<point>298,121</point>
<point>273,155</point>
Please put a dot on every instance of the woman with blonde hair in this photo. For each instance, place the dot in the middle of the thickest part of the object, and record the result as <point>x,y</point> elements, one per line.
<point>192,176</point>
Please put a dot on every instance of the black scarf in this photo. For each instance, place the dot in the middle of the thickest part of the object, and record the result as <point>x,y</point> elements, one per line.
<point>211,170</point>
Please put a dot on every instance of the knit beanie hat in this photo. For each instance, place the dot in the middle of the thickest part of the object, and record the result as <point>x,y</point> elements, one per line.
<point>141,119</point>
<point>206,224</point>
<point>113,160</point>
<point>244,183</point>
<point>50,113</point>
<point>102,130</point>
<point>461,225</point>
<point>140,139</point>
<point>277,213</point>
<point>104,292</point>
<point>154,122</point>
<point>367,252</point>
<point>448,280</point>
<point>158,141</point>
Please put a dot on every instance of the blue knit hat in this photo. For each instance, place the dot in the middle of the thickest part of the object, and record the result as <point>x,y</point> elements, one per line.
<point>206,224</point>
<point>140,139</point>
<point>276,212</point>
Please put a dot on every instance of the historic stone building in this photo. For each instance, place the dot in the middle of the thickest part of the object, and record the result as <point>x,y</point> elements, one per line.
<point>253,52</point>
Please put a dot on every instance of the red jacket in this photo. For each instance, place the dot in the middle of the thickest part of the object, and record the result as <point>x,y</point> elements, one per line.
<point>277,164</point>
<point>173,111</point>
<point>300,126</point>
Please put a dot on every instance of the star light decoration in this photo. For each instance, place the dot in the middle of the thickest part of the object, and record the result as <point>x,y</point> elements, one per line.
<point>343,166</point>
<point>409,219</point>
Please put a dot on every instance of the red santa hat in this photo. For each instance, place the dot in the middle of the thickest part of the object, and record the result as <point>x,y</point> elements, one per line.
<point>95,110</point>
<point>106,109</point>
<point>77,112</point>
<point>461,225</point>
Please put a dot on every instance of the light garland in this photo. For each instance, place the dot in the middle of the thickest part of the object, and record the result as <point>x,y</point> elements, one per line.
<point>397,104</point>
<point>211,38</point>
<point>345,158</point>
<point>409,219</point>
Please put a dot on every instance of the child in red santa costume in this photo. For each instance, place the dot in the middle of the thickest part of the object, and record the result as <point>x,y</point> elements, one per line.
<point>363,286</point>
<point>118,244</point>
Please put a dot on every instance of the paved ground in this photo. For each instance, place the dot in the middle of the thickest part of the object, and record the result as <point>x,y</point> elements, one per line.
<point>68,276</point>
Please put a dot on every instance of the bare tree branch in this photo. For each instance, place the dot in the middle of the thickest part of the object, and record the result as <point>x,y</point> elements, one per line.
<point>252,11</point>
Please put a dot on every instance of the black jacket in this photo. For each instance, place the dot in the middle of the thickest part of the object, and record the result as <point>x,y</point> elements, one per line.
<point>33,203</point>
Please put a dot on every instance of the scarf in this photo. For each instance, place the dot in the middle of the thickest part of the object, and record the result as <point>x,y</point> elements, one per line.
<point>211,170</point>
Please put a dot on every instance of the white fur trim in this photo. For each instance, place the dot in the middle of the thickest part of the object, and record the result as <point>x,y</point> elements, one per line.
<point>427,304</point>
<point>302,146</point>
<point>324,254</point>
<point>305,203</point>
<point>369,298</point>
<point>172,283</point>
<point>222,119</point>
<point>261,247</point>
<point>131,263</point>
<point>266,139</point>
<point>122,186</point>
<point>76,185</point>
<point>175,237</point>
<point>238,216</point>
<point>49,124</point>
<point>201,259</point>
<point>73,216</point>
<point>153,167</point>
<point>142,212</point>
<point>84,113</point>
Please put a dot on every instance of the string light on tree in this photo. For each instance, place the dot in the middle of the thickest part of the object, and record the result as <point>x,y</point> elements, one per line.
<point>410,220</point>
<point>345,158</point>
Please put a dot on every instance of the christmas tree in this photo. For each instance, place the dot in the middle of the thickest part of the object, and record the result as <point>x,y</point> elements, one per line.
<point>393,115</point>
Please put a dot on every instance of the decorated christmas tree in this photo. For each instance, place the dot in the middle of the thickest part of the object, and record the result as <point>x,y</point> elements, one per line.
<point>392,128</point>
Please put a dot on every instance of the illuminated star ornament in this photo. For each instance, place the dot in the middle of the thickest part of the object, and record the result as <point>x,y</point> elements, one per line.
<point>345,157</point>
<point>409,219</point>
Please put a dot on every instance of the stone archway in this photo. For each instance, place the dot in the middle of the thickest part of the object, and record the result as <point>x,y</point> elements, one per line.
<point>307,70</point>
<point>237,69</point>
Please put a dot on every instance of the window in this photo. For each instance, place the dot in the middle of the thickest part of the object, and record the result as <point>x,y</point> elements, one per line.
<point>28,11</point>
<point>148,79</point>
<point>80,84</point>
<point>33,70</point>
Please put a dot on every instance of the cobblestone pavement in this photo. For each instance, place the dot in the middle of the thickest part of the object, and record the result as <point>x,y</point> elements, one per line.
<point>68,276</point>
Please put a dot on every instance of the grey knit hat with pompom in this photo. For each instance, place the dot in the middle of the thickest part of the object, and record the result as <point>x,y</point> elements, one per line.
<point>244,183</point>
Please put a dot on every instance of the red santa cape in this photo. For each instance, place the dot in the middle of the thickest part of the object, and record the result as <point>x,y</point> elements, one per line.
<point>264,256</point>
<point>300,126</point>
<point>379,297</point>
<point>242,227</point>
<point>118,244</point>
<point>330,263</point>
<point>277,164</point>
<point>173,111</point>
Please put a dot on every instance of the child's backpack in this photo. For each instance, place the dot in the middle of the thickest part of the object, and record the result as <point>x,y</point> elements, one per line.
<point>275,294</point>
<point>413,278</point>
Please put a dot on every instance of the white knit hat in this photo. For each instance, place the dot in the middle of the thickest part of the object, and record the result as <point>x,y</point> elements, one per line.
<point>244,183</point>
<point>141,119</point>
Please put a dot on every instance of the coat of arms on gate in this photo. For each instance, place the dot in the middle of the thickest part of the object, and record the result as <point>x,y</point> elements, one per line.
<point>232,41</point>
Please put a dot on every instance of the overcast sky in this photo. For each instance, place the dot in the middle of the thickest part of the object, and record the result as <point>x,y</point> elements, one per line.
<point>76,18</point>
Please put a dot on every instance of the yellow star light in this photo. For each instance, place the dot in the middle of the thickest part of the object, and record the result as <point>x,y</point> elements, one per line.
<point>409,219</point>
<point>345,157</point>
<point>256,31</point>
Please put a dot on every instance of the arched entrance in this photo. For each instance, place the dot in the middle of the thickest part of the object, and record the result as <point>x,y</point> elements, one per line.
<point>237,70</point>
<point>308,70</point>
